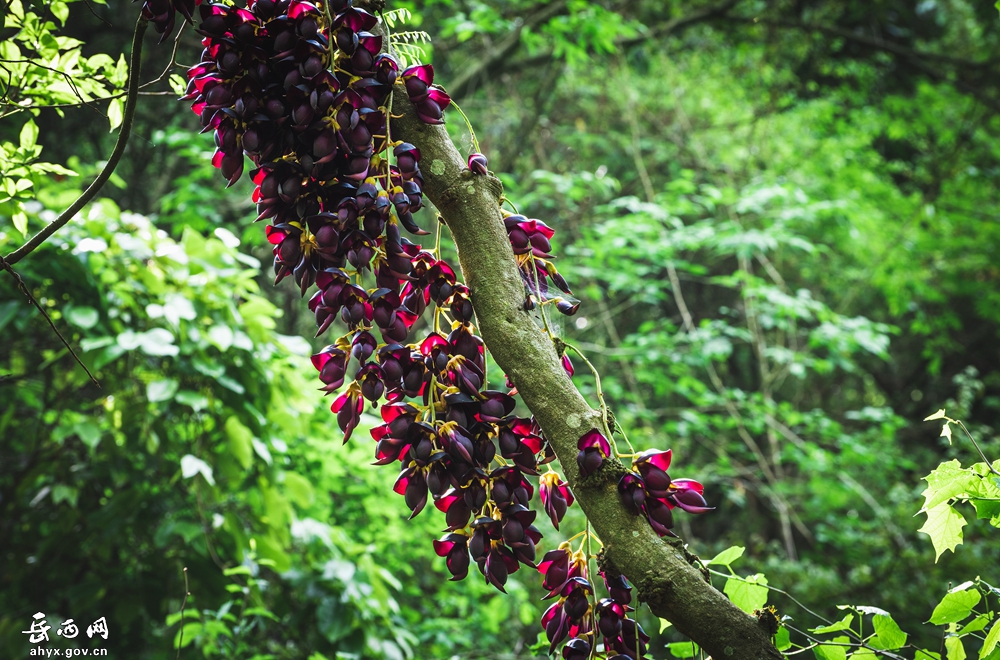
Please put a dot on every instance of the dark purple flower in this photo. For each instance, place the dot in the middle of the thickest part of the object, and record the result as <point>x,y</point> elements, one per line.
<point>556,496</point>
<point>456,548</point>
<point>349,407</point>
<point>594,448</point>
<point>477,163</point>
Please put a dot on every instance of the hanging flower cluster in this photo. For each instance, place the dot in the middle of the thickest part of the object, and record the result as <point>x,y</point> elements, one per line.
<point>163,14</point>
<point>306,99</point>
<point>577,616</point>
<point>648,490</point>
<point>303,90</point>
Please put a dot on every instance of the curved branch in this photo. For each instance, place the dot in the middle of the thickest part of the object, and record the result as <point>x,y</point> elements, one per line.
<point>116,155</point>
<point>667,578</point>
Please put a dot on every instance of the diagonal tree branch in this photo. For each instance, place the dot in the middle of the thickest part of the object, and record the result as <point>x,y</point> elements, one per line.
<point>667,578</point>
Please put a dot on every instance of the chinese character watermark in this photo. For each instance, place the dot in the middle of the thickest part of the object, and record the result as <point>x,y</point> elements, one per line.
<point>39,632</point>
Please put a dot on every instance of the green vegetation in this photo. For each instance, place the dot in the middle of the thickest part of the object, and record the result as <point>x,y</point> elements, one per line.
<point>781,222</point>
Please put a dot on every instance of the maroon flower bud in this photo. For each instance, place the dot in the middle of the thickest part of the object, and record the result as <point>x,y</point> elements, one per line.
<point>477,163</point>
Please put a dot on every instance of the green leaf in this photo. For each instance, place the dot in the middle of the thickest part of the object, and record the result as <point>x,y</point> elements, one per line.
<point>29,135</point>
<point>299,489</point>
<point>664,624</point>
<point>88,432</point>
<point>991,640</point>
<point>237,570</point>
<point>116,113</point>
<point>944,526</point>
<point>161,390</point>
<point>824,652</point>
<point>938,415</point>
<point>843,624</point>
<point>888,635</point>
<point>748,593</point>
<point>728,556</point>
<point>782,640</point>
<point>177,616</point>
<point>240,441</point>
<point>192,465</point>
<point>195,401</point>
<point>683,649</point>
<point>955,606</point>
<point>954,648</point>
<point>948,480</point>
<point>260,611</point>
<point>185,636</point>
<point>924,654</point>
<point>60,11</point>
<point>863,653</point>
<point>82,317</point>
<point>20,220</point>
<point>977,624</point>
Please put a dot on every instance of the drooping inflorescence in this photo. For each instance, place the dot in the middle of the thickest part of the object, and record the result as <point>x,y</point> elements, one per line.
<point>303,90</point>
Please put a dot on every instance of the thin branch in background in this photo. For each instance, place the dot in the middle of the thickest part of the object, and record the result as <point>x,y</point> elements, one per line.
<point>187,592</point>
<point>109,168</point>
<point>24,289</point>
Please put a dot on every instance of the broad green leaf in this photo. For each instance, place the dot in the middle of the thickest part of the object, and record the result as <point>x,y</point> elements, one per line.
<point>116,113</point>
<point>82,317</point>
<point>60,10</point>
<point>946,481</point>
<point>20,220</point>
<point>954,648</point>
<point>843,624</point>
<point>728,556</point>
<point>88,432</point>
<point>29,135</point>
<point>185,636</point>
<point>888,635</point>
<point>944,526</point>
<point>924,654</point>
<point>827,652</point>
<point>955,606</point>
<point>991,640</point>
<point>977,624</point>
<point>863,654</point>
<point>683,649</point>
<point>299,489</point>
<point>192,465</point>
<point>195,401</point>
<point>748,593</point>
<point>270,548</point>
<point>120,74</point>
<point>188,613</point>
<point>236,570</point>
<point>221,336</point>
<point>782,640</point>
<point>240,441</point>
<point>664,624</point>
<point>161,390</point>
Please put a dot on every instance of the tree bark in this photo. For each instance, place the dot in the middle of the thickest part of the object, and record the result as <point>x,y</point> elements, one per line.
<point>662,572</point>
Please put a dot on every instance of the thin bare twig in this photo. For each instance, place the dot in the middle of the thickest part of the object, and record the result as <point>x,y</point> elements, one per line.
<point>24,289</point>
<point>187,592</point>
<point>116,155</point>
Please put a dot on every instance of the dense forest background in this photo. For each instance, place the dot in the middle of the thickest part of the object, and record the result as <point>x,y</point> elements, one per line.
<point>781,219</point>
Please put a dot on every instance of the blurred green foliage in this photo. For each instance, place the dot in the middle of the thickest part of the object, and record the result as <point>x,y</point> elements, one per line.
<point>784,241</point>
